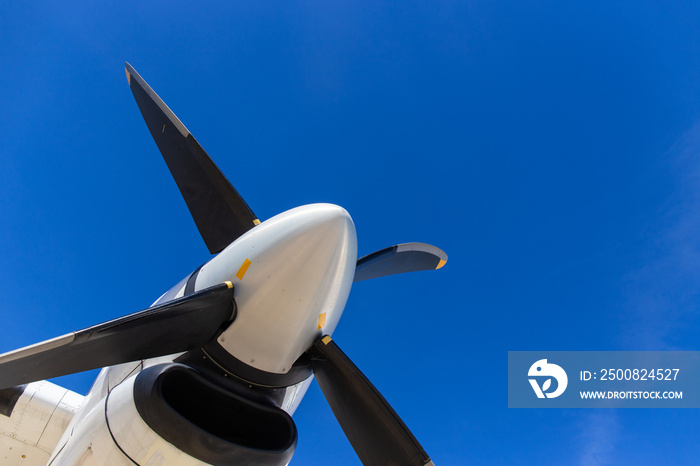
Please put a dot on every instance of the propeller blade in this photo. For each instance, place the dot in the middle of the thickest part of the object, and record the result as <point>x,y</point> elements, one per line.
<point>220,213</point>
<point>373,428</point>
<point>407,257</point>
<point>180,325</point>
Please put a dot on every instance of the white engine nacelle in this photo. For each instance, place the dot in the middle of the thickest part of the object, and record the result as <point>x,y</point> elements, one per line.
<point>170,415</point>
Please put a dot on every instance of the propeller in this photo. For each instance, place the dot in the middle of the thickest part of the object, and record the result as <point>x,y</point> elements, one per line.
<point>375,431</point>
<point>373,428</point>
<point>180,325</point>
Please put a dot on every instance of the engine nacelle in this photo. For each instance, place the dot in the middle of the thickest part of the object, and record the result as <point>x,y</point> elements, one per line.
<point>170,414</point>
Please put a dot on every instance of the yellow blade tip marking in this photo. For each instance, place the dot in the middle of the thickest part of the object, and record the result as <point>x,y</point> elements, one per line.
<point>163,129</point>
<point>243,269</point>
<point>256,222</point>
<point>321,320</point>
<point>326,340</point>
<point>128,76</point>
<point>440,264</point>
<point>229,284</point>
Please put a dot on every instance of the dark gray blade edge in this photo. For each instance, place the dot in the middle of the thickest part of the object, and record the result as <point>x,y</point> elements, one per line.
<point>220,213</point>
<point>407,257</point>
<point>180,325</point>
<point>373,428</point>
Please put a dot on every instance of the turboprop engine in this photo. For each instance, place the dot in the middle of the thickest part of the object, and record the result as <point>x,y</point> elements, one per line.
<point>212,371</point>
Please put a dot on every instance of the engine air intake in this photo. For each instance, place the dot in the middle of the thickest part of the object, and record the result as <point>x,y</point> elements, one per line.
<point>210,423</point>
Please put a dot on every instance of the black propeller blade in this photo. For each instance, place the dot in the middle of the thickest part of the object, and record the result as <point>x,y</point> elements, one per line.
<point>375,431</point>
<point>407,257</point>
<point>180,325</point>
<point>219,211</point>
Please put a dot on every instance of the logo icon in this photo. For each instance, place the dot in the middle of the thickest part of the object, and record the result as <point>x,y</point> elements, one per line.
<point>544,369</point>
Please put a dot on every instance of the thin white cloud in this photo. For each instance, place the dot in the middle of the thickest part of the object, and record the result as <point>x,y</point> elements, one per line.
<point>662,295</point>
<point>599,433</point>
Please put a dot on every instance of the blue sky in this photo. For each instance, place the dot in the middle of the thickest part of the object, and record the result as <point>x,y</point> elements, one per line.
<point>550,148</point>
